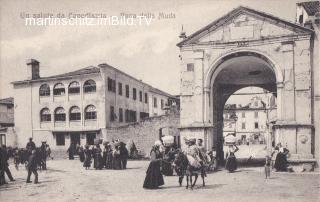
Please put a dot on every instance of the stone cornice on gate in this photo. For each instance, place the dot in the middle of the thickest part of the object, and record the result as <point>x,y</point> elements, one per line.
<point>244,43</point>
<point>193,38</point>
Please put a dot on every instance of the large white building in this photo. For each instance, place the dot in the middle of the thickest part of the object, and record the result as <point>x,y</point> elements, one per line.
<point>79,106</point>
<point>250,122</point>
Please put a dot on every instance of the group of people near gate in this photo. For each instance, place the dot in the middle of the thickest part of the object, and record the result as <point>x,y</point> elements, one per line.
<point>32,157</point>
<point>112,155</point>
<point>165,157</point>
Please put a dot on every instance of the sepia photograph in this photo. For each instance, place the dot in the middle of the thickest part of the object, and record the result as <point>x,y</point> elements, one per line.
<point>160,101</point>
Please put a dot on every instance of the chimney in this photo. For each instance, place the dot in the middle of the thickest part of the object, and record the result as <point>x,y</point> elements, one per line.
<point>33,69</point>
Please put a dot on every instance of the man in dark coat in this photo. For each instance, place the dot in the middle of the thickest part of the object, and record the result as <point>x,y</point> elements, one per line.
<point>32,167</point>
<point>30,145</point>
<point>124,154</point>
<point>4,162</point>
<point>71,151</point>
<point>43,156</point>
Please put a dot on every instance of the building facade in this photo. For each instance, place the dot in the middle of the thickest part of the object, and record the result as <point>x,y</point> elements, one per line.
<point>7,134</point>
<point>245,48</point>
<point>250,123</point>
<point>78,107</point>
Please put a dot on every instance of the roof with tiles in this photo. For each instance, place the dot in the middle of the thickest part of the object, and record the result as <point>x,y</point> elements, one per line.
<point>311,7</point>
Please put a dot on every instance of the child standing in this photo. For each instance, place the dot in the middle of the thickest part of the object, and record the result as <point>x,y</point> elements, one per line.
<point>267,168</point>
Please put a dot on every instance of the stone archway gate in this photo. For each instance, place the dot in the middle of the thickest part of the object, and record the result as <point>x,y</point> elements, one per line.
<point>288,49</point>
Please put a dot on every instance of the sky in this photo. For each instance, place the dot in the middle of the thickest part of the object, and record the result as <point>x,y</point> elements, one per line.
<point>147,52</point>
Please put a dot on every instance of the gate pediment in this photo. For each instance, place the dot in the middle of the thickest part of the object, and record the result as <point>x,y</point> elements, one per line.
<point>243,24</point>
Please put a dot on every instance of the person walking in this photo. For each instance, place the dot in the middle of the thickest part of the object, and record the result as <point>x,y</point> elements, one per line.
<point>32,167</point>
<point>4,162</point>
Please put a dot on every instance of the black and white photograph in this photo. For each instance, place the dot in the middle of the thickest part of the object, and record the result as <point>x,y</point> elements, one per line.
<point>160,101</point>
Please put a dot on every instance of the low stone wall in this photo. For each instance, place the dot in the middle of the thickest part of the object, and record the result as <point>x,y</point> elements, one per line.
<point>146,132</point>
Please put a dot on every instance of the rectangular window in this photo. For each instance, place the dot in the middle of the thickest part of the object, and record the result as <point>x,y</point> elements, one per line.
<point>60,139</point>
<point>90,138</point>
<point>127,91</point>
<point>243,125</point>
<point>145,97</point>
<point>190,67</point>
<point>155,105</point>
<point>132,116</point>
<point>126,114</point>
<point>75,116</point>
<point>256,125</point>
<point>256,114</point>
<point>120,115</point>
<point>60,117</point>
<point>134,93</point>
<point>120,88</point>
<point>112,115</point>
<point>144,115</point>
<point>243,115</point>
<point>45,117</point>
<point>109,84</point>
<point>162,104</point>
<point>91,115</point>
<point>74,90</point>
<point>140,96</point>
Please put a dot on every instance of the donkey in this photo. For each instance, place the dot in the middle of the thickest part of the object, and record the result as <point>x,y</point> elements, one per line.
<point>183,168</point>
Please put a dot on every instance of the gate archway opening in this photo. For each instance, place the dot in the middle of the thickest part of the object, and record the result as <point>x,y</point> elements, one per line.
<point>231,73</point>
<point>249,114</point>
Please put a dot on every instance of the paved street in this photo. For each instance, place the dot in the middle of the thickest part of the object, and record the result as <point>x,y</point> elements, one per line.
<point>68,181</point>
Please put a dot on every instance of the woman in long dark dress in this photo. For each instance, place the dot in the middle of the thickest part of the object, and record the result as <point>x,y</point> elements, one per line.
<point>81,154</point>
<point>231,163</point>
<point>109,157</point>
<point>87,157</point>
<point>98,158</point>
<point>71,151</point>
<point>116,161</point>
<point>281,163</point>
<point>154,178</point>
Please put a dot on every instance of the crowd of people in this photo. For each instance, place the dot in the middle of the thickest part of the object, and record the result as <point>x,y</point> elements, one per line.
<point>34,158</point>
<point>113,155</point>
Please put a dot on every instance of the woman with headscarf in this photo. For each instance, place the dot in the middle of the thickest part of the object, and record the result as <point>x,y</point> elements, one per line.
<point>154,178</point>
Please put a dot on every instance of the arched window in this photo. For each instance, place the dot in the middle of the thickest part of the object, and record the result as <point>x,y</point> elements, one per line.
<point>74,88</point>
<point>59,114</point>
<point>90,112</point>
<point>89,86</point>
<point>75,113</point>
<point>44,90</point>
<point>45,115</point>
<point>58,89</point>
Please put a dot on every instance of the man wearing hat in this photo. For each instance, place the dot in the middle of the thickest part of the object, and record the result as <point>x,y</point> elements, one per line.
<point>32,167</point>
